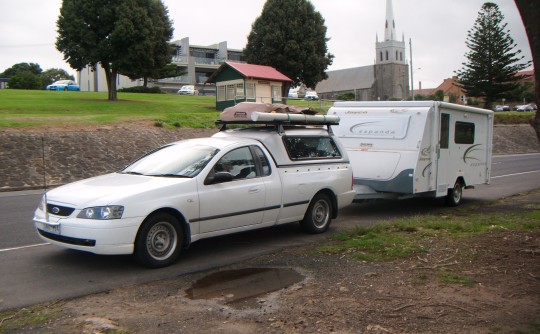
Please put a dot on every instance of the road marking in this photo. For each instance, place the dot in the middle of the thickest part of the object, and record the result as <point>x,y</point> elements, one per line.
<point>23,247</point>
<point>532,171</point>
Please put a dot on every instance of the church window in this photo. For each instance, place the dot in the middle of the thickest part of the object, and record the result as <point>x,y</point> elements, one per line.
<point>401,56</point>
<point>396,55</point>
<point>381,56</point>
<point>386,55</point>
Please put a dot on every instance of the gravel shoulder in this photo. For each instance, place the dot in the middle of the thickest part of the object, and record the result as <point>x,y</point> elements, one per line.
<point>495,290</point>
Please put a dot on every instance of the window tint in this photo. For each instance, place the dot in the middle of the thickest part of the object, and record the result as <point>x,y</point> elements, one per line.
<point>265,165</point>
<point>300,148</point>
<point>464,133</point>
<point>445,130</point>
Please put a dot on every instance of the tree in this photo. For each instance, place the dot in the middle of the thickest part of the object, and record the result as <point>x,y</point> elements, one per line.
<point>492,67</point>
<point>291,37</point>
<point>25,80</point>
<point>120,35</point>
<point>20,68</point>
<point>530,15</point>
<point>54,74</point>
<point>155,56</point>
<point>23,76</point>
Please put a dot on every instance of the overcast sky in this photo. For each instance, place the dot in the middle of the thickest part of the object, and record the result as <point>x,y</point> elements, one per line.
<point>437,28</point>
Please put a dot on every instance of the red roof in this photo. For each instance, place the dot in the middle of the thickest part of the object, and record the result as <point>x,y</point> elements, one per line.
<point>256,71</point>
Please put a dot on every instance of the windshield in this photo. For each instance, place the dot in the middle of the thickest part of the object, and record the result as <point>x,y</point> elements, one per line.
<point>179,160</point>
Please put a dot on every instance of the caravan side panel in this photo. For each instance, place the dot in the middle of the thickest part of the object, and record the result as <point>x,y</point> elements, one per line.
<point>383,145</point>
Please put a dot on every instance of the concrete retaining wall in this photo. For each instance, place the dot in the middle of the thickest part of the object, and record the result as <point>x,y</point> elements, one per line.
<point>71,156</point>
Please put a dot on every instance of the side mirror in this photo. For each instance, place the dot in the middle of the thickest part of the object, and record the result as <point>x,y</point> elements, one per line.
<point>220,177</point>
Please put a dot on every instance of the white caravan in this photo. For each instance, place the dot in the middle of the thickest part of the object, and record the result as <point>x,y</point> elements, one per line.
<point>415,148</point>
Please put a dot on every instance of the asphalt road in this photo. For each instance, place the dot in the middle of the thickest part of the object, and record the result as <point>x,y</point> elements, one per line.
<point>33,272</point>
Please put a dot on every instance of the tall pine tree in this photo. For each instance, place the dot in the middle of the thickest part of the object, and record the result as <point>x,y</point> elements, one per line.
<point>492,65</point>
<point>290,36</point>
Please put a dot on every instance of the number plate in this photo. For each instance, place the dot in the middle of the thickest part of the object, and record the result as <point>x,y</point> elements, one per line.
<point>52,228</point>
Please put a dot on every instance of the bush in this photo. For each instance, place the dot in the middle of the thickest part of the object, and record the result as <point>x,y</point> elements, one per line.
<point>513,117</point>
<point>142,89</point>
<point>349,96</point>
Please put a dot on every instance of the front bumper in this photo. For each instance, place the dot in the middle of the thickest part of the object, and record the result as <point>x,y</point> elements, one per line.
<point>110,237</point>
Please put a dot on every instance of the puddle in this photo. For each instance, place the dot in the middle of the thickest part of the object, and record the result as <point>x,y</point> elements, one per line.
<point>241,287</point>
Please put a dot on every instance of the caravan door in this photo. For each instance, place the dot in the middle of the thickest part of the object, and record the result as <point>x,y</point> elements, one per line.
<point>443,159</point>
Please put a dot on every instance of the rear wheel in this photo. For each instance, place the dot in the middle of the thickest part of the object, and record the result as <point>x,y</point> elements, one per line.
<point>159,241</point>
<point>318,215</point>
<point>455,194</point>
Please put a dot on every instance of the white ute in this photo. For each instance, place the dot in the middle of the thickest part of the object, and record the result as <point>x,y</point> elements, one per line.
<point>237,180</point>
<point>415,148</point>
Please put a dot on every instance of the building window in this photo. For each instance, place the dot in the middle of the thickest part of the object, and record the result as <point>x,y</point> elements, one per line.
<point>240,94</point>
<point>401,56</point>
<point>397,55</point>
<point>381,56</point>
<point>230,92</point>
<point>276,93</point>
<point>250,90</point>
<point>221,93</point>
<point>386,55</point>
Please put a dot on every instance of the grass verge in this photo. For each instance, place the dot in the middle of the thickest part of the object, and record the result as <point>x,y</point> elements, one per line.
<point>402,238</point>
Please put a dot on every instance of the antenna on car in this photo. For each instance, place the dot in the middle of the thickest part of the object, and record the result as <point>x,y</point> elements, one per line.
<point>45,209</point>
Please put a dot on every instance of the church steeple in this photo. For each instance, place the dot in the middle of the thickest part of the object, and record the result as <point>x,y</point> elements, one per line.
<point>390,26</point>
<point>390,50</point>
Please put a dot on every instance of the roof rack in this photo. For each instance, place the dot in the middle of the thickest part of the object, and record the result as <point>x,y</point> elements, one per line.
<point>282,119</point>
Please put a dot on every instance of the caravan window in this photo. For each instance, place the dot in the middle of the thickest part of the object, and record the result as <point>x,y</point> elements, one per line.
<point>300,148</point>
<point>464,133</point>
<point>445,130</point>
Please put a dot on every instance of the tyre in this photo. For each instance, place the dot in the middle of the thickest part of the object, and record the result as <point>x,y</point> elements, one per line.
<point>454,195</point>
<point>159,241</point>
<point>318,215</point>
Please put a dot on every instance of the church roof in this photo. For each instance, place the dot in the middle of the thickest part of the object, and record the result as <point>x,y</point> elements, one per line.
<point>347,79</point>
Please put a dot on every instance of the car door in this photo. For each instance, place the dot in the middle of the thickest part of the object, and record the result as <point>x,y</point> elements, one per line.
<point>238,199</point>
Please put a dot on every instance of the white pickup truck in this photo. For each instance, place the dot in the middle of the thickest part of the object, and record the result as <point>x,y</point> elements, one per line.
<point>237,180</point>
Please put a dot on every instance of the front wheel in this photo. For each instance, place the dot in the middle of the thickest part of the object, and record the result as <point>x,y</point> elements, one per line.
<point>318,215</point>
<point>159,241</point>
<point>454,195</point>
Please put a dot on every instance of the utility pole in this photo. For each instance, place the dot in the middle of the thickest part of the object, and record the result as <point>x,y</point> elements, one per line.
<point>412,80</point>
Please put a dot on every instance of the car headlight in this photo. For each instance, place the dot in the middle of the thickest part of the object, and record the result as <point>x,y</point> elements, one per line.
<point>102,212</point>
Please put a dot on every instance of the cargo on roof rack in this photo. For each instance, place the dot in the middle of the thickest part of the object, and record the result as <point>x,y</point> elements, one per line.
<point>272,114</point>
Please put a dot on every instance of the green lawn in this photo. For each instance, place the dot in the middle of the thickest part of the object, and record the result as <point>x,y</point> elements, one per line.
<point>24,108</point>
<point>20,108</point>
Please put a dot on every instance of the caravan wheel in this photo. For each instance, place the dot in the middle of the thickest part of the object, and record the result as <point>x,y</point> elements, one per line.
<point>453,198</point>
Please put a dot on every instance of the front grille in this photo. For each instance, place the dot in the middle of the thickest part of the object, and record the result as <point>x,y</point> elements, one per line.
<point>59,210</point>
<point>68,240</point>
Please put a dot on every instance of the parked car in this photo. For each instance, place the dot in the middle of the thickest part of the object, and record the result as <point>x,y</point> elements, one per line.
<point>502,108</point>
<point>524,107</point>
<point>188,90</point>
<point>293,94</point>
<point>64,85</point>
<point>311,96</point>
<point>237,180</point>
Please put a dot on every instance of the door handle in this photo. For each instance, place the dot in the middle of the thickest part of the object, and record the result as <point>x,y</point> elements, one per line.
<point>254,190</point>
